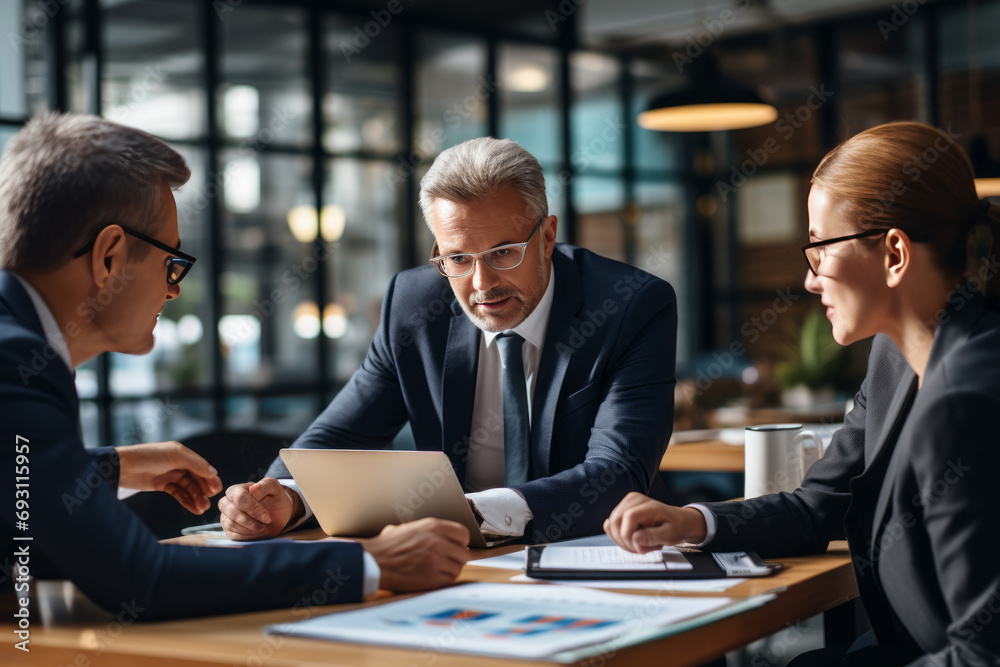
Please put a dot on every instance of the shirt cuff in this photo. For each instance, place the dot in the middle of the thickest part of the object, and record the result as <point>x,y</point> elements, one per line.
<point>290,483</point>
<point>505,512</point>
<point>373,575</point>
<point>710,526</point>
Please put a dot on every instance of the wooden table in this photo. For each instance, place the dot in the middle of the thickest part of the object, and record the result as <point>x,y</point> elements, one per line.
<point>709,455</point>
<point>807,586</point>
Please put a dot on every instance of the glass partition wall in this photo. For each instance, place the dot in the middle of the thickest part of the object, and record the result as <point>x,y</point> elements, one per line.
<point>307,129</point>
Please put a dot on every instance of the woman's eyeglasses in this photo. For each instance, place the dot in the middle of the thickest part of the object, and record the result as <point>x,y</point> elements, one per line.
<point>814,251</point>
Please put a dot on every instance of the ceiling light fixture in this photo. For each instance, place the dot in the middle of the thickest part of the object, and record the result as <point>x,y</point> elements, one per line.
<point>708,103</point>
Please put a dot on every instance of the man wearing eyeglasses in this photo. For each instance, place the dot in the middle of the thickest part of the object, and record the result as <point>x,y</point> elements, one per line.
<point>89,254</point>
<point>544,372</point>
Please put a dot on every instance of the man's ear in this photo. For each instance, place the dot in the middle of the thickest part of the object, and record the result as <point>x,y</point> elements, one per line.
<point>110,254</point>
<point>548,231</point>
<point>898,256</point>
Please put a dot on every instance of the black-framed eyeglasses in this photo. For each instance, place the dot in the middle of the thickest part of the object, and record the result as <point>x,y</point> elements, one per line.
<point>177,265</point>
<point>814,253</point>
<point>501,258</point>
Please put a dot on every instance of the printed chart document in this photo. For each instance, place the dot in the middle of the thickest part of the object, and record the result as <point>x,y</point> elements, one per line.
<point>680,585</point>
<point>510,620</point>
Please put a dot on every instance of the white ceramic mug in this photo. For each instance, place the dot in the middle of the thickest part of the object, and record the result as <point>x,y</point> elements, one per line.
<point>777,458</point>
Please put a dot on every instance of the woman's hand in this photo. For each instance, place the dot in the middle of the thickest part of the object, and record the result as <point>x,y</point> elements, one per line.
<point>640,524</point>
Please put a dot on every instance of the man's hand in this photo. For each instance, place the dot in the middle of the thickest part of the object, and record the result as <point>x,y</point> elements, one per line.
<point>169,467</point>
<point>640,524</point>
<point>258,511</point>
<point>420,555</point>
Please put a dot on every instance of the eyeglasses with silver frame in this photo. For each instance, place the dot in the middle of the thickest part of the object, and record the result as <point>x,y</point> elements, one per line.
<point>501,258</point>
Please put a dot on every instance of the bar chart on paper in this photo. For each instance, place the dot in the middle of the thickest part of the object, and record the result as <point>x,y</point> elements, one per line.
<point>527,621</point>
<point>527,626</point>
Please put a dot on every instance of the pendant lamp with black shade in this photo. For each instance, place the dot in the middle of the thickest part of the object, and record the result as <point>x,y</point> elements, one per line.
<point>709,102</point>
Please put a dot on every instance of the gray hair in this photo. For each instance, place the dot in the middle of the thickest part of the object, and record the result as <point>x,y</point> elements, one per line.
<point>479,168</point>
<point>63,178</point>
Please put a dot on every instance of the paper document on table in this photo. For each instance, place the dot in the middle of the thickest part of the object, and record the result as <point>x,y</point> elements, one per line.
<point>603,650</point>
<point>505,620</point>
<point>611,558</point>
<point>511,561</point>
<point>679,585</point>
<point>601,540</point>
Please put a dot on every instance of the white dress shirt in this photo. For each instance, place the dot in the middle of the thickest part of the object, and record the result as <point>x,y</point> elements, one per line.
<point>505,512</point>
<point>710,527</point>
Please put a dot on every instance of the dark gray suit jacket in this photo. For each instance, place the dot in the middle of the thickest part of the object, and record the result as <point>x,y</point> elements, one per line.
<point>912,481</point>
<point>604,396</point>
<point>64,498</point>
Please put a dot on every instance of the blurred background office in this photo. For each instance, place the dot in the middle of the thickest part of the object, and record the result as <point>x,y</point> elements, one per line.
<point>308,124</point>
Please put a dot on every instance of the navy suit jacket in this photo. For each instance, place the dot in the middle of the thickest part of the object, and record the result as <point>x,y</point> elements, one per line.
<point>910,481</point>
<point>603,399</point>
<point>79,529</point>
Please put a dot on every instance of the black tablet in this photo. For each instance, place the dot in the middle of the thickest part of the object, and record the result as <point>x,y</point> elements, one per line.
<point>687,564</point>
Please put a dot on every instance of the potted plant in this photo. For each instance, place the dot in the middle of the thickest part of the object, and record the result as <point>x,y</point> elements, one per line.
<point>816,366</point>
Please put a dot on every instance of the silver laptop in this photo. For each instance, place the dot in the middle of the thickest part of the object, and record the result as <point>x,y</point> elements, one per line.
<point>356,493</point>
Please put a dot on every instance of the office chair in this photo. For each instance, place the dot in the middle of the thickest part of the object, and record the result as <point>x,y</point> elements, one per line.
<point>239,456</point>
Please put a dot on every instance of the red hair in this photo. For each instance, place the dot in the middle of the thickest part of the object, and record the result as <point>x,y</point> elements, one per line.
<point>918,179</point>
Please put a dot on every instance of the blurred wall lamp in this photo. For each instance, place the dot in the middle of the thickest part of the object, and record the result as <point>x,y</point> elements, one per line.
<point>302,223</point>
<point>307,324</point>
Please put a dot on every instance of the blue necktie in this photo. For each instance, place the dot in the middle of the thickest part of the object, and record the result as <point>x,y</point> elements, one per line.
<point>515,410</point>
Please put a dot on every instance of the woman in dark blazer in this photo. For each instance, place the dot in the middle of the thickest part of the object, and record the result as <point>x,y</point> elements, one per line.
<point>901,249</point>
